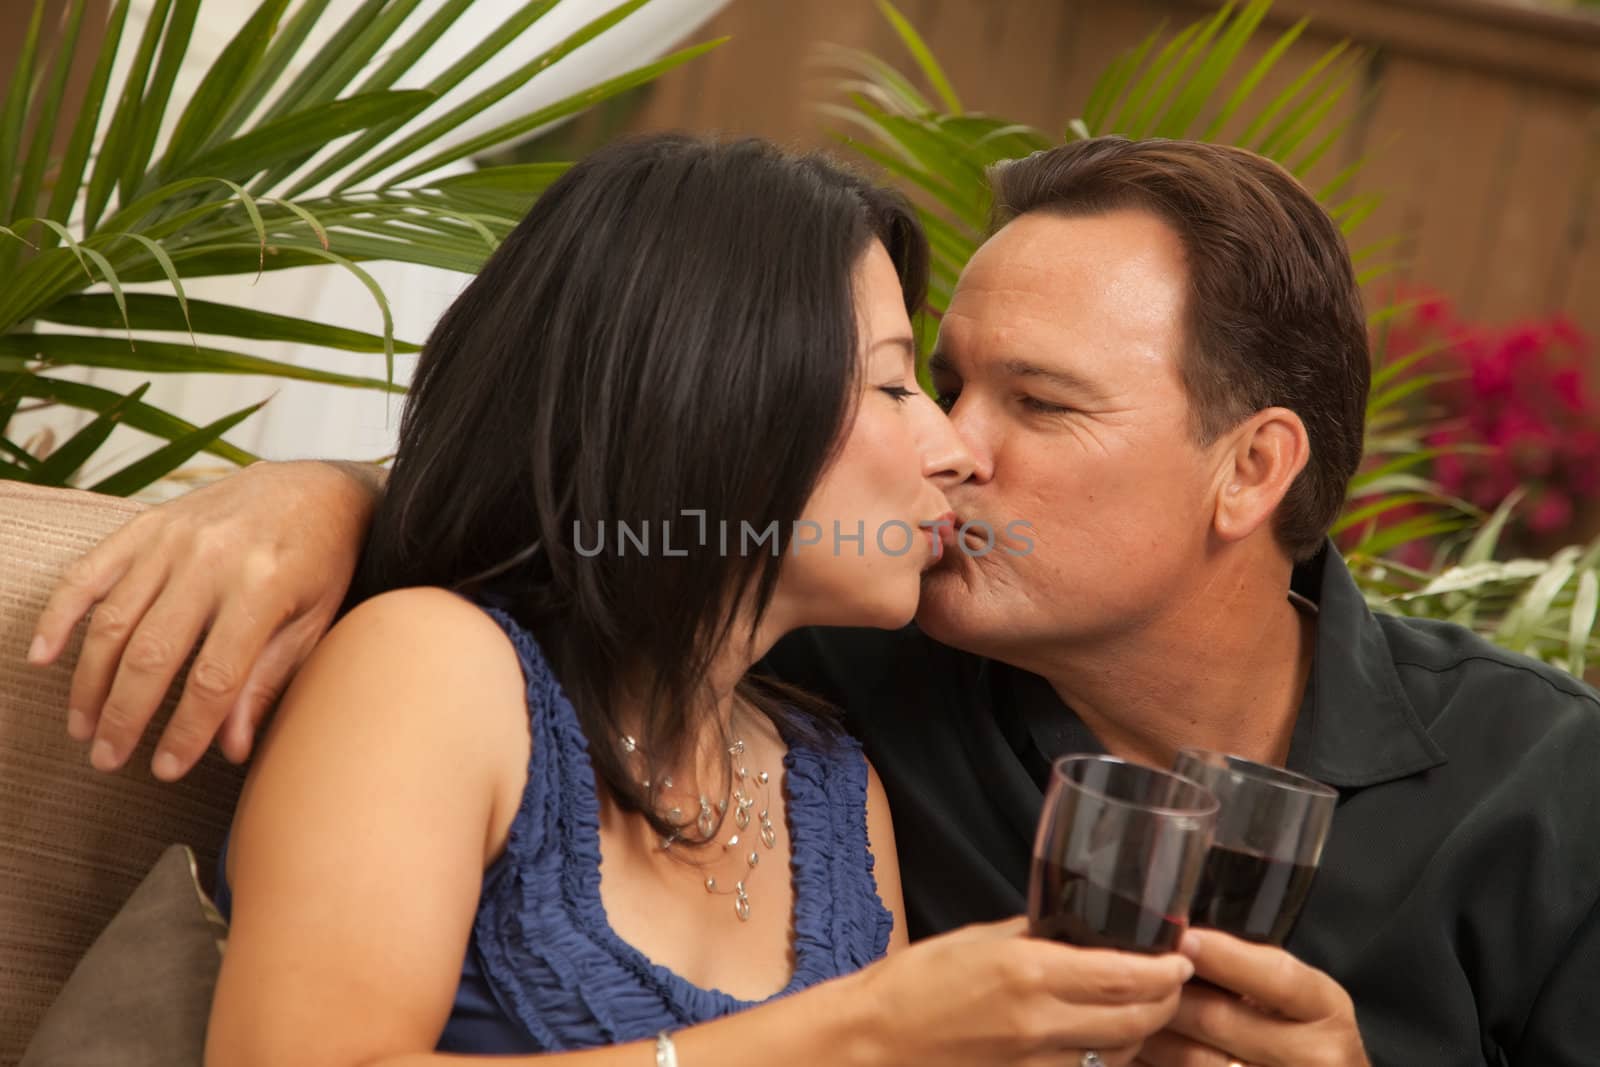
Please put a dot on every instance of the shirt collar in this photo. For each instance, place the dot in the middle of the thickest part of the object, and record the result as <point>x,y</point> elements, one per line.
<point>1356,725</point>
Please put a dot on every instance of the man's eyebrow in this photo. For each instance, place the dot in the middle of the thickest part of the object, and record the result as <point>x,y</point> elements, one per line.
<point>1066,379</point>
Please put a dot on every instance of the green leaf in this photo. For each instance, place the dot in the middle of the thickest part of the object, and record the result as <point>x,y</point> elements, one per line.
<point>161,357</point>
<point>69,181</point>
<point>1163,93</point>
<point>1392,369</point>
<point>284,48</point>
<point>1401,463</point>
<point>960,205</point>
<point>10,397</point>
<point>486,49</point>
<point>117,147</point>
<point>1285,98</point>
<point>1398,392</point>
<point>448,122</point>
<point>1310,112</point>
<point>15,114</point>
<point>329,57</point>
<point>1481,548</point>
<point>153,311</point>
<point>46,115</point>
<point>164,461</point>
<point>222,86</point>
<point>142,417</point>
<point>1516,629</point>
<point>1140,90</point>
<point>923,55</point>
<point>1377,509</point>
<point>1111,85</point>
<point>1248,84</point>
<point>1580,624</point>
<point>1201,89</point>
<point>273,142</point>
<point>1421,528</point>
<point>546,115</point>
<point>65,461</point>
<point>154,106</point>
<point>327,81</point>
<point>895,89</point>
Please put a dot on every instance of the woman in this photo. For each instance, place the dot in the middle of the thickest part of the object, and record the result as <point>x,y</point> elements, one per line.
<point>524,798</point>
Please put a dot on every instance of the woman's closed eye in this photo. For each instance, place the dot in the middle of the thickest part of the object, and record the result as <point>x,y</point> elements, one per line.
<point>899,392</point>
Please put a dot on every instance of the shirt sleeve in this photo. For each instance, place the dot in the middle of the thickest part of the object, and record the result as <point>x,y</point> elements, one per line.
<point>1563,1028</point>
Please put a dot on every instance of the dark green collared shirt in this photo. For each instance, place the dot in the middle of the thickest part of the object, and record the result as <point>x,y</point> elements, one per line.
<point>1458,900</point>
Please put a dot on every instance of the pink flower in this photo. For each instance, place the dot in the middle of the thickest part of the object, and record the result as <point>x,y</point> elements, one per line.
<point>1552,512</point>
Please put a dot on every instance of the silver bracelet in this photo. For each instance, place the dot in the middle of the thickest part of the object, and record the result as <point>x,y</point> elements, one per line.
<point>666,1051</point>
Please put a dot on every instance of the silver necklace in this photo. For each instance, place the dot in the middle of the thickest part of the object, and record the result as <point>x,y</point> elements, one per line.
<point>744,802</point>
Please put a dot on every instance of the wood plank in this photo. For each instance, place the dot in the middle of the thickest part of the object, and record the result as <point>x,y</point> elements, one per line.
<point>1578,280</point>
<point>1529,235</point>
<point>1397,139</point>
<point>1471,150</point>
<point>1548,46</point>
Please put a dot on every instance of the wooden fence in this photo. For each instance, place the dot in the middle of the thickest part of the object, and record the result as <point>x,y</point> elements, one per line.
<point>1481,119</point>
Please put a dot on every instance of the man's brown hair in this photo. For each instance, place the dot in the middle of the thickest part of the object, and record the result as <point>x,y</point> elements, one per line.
<point>1274,312</point>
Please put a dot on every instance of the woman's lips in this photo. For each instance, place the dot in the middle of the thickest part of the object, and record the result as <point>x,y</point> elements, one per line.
<point>941,535</point>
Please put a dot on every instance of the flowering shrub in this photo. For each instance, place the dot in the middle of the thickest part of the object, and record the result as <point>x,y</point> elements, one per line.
<point>1522,399</point>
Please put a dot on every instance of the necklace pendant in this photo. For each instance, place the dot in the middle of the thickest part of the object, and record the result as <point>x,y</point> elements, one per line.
<point>768,836</point>
<point>741,904</point>
<point>742,817</point>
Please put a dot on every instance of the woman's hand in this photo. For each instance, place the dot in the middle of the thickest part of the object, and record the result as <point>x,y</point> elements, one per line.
<point>257,564</point>
<point>989,995</point>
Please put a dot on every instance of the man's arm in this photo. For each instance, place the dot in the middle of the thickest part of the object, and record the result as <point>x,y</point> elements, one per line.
<point>252,569</point>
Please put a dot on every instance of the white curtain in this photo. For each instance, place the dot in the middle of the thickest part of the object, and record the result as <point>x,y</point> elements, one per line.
<point>307,420</point>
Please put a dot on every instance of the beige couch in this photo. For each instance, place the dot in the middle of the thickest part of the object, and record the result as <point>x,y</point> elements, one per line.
<point>73,842</point>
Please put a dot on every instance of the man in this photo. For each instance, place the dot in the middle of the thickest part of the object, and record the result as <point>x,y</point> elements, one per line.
<point>1159,364</point>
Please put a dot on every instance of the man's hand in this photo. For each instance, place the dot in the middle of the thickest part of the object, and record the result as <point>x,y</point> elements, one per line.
<point>1263,1008</point>
<point>256,564</point>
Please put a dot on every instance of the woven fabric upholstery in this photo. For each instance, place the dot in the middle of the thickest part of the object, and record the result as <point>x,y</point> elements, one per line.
<point>74,843</point>
<point>142,996</point>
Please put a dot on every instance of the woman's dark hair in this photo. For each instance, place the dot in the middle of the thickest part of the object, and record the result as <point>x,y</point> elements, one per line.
<point>671,329</point>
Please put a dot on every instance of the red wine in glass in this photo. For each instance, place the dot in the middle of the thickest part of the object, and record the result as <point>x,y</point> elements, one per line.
<point>1080,912</point>
<point>1251,896</point>
<point>1269,837</point>
<point>1118,854</point>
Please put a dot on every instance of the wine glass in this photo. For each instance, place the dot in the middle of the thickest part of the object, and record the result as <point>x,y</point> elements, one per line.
<point>1264,852</point>
<point>1118,854</point>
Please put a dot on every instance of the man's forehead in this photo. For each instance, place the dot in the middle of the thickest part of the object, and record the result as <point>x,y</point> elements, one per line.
<point>1118,273</point>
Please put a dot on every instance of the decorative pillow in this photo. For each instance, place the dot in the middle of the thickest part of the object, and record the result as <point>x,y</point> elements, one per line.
<point>142,993</point>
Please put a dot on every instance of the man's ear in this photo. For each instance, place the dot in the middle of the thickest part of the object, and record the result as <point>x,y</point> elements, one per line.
<point>1261,459</point>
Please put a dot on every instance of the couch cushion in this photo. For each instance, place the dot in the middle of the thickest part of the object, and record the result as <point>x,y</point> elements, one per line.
<point>73,842</point>
<point>142,995</point>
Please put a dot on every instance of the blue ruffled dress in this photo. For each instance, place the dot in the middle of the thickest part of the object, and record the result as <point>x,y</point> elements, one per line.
<point>545,972</point>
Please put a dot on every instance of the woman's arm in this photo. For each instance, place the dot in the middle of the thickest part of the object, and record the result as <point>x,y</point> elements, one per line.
<point>361,837</point>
